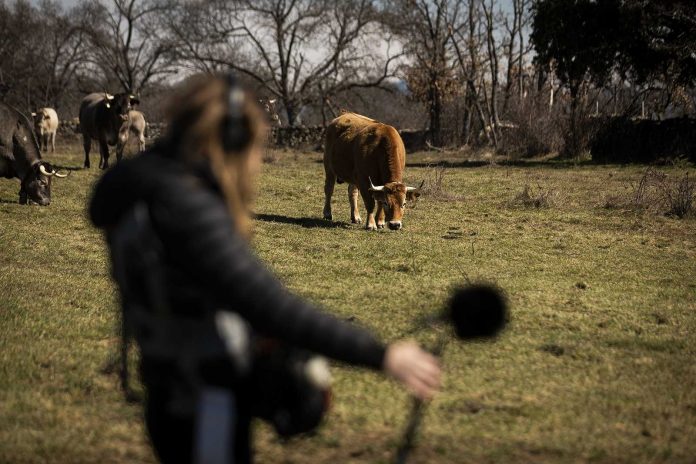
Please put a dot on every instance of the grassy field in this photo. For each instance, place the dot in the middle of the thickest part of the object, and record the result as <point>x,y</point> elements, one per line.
<point>598,365</point>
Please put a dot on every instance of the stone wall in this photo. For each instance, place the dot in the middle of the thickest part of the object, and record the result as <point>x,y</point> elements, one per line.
<point>308,138</point>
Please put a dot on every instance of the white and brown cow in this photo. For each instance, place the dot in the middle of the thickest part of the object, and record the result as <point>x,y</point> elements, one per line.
<point>134,125</point>
<point>46,126</point>
<point>371,157</point>
<point>269,106</point>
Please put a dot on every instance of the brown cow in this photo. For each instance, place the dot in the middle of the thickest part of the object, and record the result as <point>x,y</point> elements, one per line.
<point>371,157</point>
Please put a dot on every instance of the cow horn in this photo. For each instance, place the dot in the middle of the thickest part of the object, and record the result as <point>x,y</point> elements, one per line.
<point>62,176</point>
<point>411,189</point>
<point>33,114</point>
<point>373,187</point>
<point>42,170</point>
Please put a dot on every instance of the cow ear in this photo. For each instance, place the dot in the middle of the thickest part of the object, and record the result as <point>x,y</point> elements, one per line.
<point>413,195</point>
<point>134,100</point>
<point>379,195</point>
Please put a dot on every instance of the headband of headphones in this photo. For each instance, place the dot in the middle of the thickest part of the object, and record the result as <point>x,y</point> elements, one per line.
<point>235,130</point>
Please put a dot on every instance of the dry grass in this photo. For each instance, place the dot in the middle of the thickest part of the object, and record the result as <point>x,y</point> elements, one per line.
<point>597,365</point>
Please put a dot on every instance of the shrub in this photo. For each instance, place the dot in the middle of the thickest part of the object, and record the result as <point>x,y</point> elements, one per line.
<point>433,185</point>
<point>538,197</point>
<point>536,132</point>
<point>621,140</point>
<point>270,156</point>
<point>658,193</point>
<point>679,196</point>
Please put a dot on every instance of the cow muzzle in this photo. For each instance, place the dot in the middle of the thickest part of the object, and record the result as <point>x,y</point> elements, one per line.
<point>394,225</point>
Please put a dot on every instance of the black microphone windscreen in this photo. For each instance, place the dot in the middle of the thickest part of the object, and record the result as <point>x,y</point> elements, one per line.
<point>477,311</point>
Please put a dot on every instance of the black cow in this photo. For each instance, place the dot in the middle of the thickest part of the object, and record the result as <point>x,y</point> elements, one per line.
<point>101,118</point>
<point>20,157</point>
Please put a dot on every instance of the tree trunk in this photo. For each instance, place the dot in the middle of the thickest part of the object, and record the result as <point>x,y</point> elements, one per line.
<point>435,113</point>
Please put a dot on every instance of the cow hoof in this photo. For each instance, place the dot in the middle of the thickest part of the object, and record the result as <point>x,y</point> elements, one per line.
<point>372,227</point>
<point>357,220</point>
<point>328,217</point>
<point>380,225</point>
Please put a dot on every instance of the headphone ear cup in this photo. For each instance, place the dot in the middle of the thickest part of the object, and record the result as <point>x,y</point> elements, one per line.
<point>235,134</point>
<point>235,126</point>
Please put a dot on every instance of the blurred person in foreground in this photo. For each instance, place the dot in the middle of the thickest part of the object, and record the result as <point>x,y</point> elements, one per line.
<point>209,318</point>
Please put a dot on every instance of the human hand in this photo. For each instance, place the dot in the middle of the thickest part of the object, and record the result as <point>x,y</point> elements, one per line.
<point>418,370</point>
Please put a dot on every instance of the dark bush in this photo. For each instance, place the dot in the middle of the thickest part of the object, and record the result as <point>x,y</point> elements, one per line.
<point>622,140</point>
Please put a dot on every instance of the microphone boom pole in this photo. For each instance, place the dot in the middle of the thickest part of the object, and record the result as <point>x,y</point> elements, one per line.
<point>476,312</point>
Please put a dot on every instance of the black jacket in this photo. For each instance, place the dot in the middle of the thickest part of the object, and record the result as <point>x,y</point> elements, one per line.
<point>211,266</point>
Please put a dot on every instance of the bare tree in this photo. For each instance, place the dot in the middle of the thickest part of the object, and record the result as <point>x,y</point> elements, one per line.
<point>492,49</point>
<point>467,39</point>
<point>41,50</point>
<point>299,51</point>
<point>516,50</point>
<point>65,50</point>
<point>126,44</point>
<point>424,25</point>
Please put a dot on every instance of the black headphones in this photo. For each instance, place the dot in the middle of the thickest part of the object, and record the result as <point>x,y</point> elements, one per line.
<point>236,134</point>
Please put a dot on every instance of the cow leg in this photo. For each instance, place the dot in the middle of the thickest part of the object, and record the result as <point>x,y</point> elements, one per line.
<point>119,152</point>
<point>353,199</point>
<point>369,206</point>
<point>380,216</point>
<point>104,152</point>
<point>141,143</point>
<point>53,142</point>
<point>44,140</point>
<point>329,183</point>
<point>87,144</point>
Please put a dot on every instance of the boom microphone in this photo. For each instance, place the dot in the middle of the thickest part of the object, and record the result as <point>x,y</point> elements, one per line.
<point>476,312</point>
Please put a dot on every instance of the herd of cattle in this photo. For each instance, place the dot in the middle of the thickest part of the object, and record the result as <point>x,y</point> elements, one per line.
<point>368,155</point>
<point>108,119</point>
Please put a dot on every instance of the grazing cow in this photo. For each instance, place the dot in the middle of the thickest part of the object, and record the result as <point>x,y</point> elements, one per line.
<point>135,124</point>
<point>269,106</point>
<point>20,157</point>
<point>362,152</point>
<point>101,118</point>
<point>46,126</point>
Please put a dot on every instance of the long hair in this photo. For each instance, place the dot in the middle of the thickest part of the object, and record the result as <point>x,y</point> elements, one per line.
<point>196,115</point>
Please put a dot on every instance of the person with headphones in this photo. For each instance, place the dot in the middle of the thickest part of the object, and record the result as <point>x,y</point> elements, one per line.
<point>177,221</point>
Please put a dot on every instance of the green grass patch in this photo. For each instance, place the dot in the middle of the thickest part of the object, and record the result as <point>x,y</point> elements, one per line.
<point>597,365</point>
